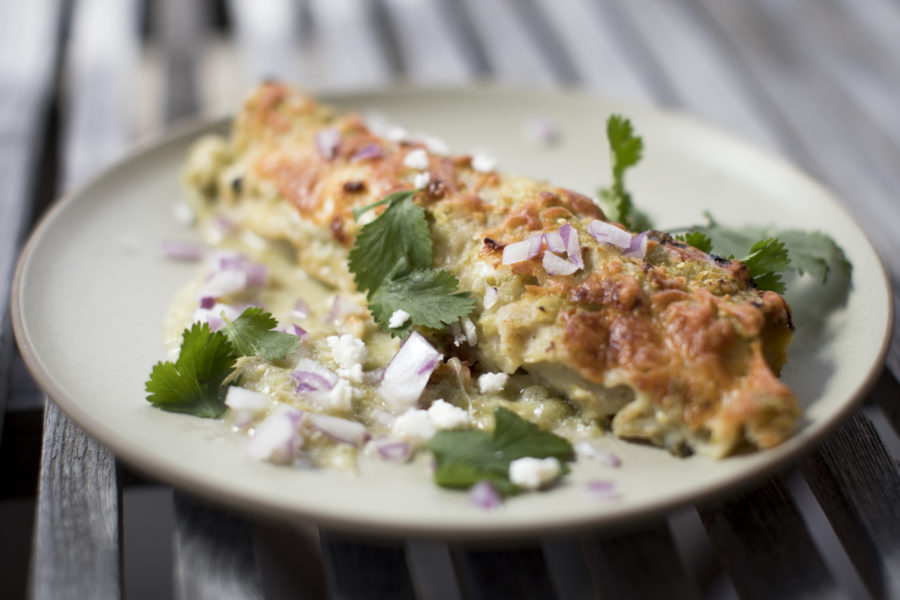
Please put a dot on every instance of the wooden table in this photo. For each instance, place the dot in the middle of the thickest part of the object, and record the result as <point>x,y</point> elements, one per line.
<point>84,80</point>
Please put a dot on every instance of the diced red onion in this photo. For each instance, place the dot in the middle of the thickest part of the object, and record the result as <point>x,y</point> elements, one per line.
<point>213,315</point>
<point>182,250</point>
<point>327,141</point>
<point>223,224</point>
<point>490,296</point>
<point>223,283</point>
<point>573,245</point>
<point>277,438</point>
<point>393,450</point>
<point>366,152</point>
<point>602,489</point>
<point>470,331</point>
<point>606,233</point>
<point>207,302</point>
<point>523,250</point>
<point>341,308</point>
<point>555,265</point>
<point>484,495</point>
<point>555,241</point>
<point>257,274</point>
<point>297,330</point>
<point>540,131</point>
<point>637,247</point>
<point>307,381</point>
<point>588,450</point>
<point>301,309</point>
<point>408,372</point>
<point>341,430</point>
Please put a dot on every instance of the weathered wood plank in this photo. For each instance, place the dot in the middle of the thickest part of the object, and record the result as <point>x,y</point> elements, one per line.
<point>214,555</point>
<point>182,27</point>
<point>885,394</point>
<point>364,570</point>
<point>857,484</point>
<point>425,42</point>
<point>431,569</point>
<point>76,551</point>
<point>269,40</point>
<point>28,56</point>
<point>517,572</point>
<point>764,545</point>
<point>568,570</point>
<point>639,564</point>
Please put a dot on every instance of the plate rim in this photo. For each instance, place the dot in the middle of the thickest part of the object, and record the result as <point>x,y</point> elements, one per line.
<point>248,502</point>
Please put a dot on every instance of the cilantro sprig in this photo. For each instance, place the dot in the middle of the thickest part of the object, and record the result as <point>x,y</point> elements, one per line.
<point>466,456</point>
<point>766,251</point>
<point>193,384</point>
<point>626,150</point>
<point>391,263</point>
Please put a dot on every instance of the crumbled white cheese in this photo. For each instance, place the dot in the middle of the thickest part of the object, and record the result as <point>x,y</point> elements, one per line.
<point>338,399</point>
<point>416,159</point>
<point>484,163</point>
<point>533,473</point>
<point>458,336</point>
<point>490,296</point>
<point>434,144</point>
<point>347,350</point>
<point>354,373</point>
<point>421,179</point>
<point>490,383</point>
<point>444,415</point>
<point>183,213</point>
<point>414,426</point>
<point>398,319</point>
<point>277,438</point>
<point>396,133</point>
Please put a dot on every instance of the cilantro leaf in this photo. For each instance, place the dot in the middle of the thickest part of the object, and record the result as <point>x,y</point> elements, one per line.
<point>399,234</point>
<point>251,333</point>
<point>696,239</point>
<point>467,456</point>
<point>815,253</point>
<point>766,260</point>
<point>626,150</point>
<point>430,297</point>
<point>192,383</point>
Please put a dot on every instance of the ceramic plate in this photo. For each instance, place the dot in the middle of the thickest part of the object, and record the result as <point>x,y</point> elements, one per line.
<point>92,289</point>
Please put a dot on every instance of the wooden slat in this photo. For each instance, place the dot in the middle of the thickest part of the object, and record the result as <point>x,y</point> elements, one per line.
<point>639,564</point>
<point>885,394</point>
<point>269,41</point>
<point>857,484</point>
<point>28,55</point>
<point>182,29</point>
<point>568,570</point>
<point>76,549</point>
<point>214,556</point>
<point>765,547</point>
<point>431,569</point>
<point>519,573</point>
<point>365,570</point>
<point>77,545</point>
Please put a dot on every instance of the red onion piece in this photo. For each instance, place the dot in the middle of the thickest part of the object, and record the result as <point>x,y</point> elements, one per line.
<point>341,308</point>
<point>301,309</point>
<point>637,247</point>
<point>523,250</point>
<point>555,265</point>
<point>277,438</point>
<point>366,152</point>
<point>307,381</point>
<point>555,241</point>
<point>591,451</point>
<point>606,233</point>
<point>602,489</point>
<point>573,245</point>
<point>540,131</point>
<point>207,302</point>
<point>297,330</point>
<point>484,495</point>
<point>341,430</point>
<point>408,372</point>
<point>223,224</point>
<point>393,450</point>
<point>490,296</point>
<point>182,250</point>
<point>327,141</point>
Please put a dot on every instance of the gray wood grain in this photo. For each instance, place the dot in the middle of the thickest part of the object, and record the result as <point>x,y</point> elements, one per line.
<point>507,572</point>
<point>431,569</point>
<point>214,557</point>
<point>28,56</point>
<point>764,545</point>
<point>357,569</point>
<point>857,484</point>
<point>76,549</point>
<point>643,563</point>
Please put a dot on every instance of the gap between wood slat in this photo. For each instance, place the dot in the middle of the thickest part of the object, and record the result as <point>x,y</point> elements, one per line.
<point>508,572</point>
<point>857,484</point>
<point>365,570</point>
<point>642,564</point>
<point>765,547</point>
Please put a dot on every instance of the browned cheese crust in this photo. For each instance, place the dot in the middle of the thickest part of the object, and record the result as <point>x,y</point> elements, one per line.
<point>679,348</point>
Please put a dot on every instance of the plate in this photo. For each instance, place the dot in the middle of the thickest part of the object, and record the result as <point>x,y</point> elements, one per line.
<point>92,288</point>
